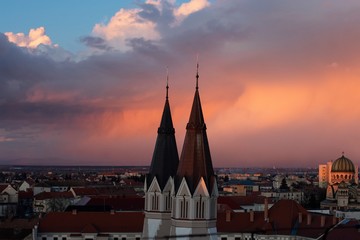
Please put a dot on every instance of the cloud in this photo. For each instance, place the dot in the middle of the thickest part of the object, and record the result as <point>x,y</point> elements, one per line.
<point>188,8</point>
<point>126,24</point>
<point>95,42</point>
<point>6,139</point>
<point>35,37</point>
<point>278,83</point>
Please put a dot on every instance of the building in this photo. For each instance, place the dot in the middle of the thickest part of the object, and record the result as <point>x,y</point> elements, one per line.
<point>159,183</point>
<point>195,201</point>
<point>285,220</point>
<point>337,171</point>
<point>181,195</point>
<point>8,200</point>
<point>342,192</point>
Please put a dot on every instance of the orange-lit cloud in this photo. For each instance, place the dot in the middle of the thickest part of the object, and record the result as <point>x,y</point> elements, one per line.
<point>124,25</point>
<point>190,7</point>
<point>278,87</point>
<point>35,37</point>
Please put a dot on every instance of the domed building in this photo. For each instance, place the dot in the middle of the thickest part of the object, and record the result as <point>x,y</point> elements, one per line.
<point>343,169</point>
<point>341,181</point>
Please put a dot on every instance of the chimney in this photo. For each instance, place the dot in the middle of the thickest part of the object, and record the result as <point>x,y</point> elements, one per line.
<point>334,220</point>
<point>322,224</point>
<point>228,215</point>
<point>266,209</point>
<point>74,212</point>
<point>251,215</point>
<point>300,217</point>
<point>308,220</point>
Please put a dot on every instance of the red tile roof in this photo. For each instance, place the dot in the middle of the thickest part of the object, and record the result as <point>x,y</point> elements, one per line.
<point>119,203</point>
<point>104,191</point>
<point>235,202</point>
<point>27,194</point>
<point>102,222</point>
<point>349,230</point>
<point>3,187</point>
<point>51,195</point>
<point>83,191</point>
<point>283,218</point>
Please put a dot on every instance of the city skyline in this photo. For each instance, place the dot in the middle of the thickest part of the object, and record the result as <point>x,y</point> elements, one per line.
<point>278,80</point>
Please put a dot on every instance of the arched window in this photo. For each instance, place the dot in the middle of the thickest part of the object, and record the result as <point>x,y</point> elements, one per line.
<point>168,202</point>
<point>200,207</point>
<point>184,208</point>
<point>155,202</point>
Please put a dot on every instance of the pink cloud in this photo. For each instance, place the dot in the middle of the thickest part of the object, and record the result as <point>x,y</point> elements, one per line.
<point>35,37</point>
<point>278,84</point>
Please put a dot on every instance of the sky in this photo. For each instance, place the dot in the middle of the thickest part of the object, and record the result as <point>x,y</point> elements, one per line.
<point>83,82</point>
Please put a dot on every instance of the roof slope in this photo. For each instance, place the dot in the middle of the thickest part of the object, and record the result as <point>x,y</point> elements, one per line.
<point>165,158</point>
<point>102,222</point>
<point>283,219</point>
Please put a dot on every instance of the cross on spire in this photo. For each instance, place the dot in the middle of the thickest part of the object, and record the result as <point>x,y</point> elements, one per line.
<point>197,72</point>
<point>167,82</point>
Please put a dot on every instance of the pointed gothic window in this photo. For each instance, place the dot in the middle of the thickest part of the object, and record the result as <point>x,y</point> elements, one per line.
<point>184,208</point>
<point>200,208</point>
<point>155,202</point>
<point>168,202</point>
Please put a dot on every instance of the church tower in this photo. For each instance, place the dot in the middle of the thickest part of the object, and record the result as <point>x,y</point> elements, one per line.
<point>159,182</point>
<point>194,206</point>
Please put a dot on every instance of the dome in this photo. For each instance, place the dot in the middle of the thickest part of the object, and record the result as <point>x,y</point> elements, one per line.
<point>343,164</point>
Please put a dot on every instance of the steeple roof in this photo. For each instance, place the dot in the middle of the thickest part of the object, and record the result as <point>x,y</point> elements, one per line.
<point>165,158</point>
<point>195,160</point>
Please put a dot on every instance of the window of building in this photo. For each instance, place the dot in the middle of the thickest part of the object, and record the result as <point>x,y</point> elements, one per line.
<point>155,202</point>
<point>224,238</point>
<point>184,207</point>
<point>168,202</point>
<point>123,238</point>
<point>43,238</point>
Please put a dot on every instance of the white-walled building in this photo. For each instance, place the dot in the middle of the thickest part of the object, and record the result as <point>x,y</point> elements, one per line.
<point>8,200</point>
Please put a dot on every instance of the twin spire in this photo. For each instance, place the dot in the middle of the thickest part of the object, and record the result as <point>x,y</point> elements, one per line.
<point>195,160</point>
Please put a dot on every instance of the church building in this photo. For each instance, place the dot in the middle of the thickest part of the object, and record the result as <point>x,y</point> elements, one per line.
<point>341,181</point>
<point>181,196</point>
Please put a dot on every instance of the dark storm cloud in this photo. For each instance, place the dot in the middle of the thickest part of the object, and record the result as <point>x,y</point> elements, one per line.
<point>163,19</point>
<point>95,42</point>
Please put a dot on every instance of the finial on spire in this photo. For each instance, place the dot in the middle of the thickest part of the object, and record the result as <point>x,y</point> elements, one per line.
<point>197,71</point>
<point>167,82</point>
<point>343,153</point>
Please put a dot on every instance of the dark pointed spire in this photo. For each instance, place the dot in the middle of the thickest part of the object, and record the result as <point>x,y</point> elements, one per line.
<point>195,161</point>
<point>165,158</point>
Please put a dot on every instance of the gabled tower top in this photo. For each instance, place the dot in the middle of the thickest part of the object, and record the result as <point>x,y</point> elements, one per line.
<point>165,158</point>
<point>195,160</point>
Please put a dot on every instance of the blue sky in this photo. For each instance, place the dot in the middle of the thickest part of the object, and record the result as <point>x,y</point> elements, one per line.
<point>65,21</point>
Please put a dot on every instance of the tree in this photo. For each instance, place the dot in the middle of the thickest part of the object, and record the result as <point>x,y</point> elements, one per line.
<point>284,185</point>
